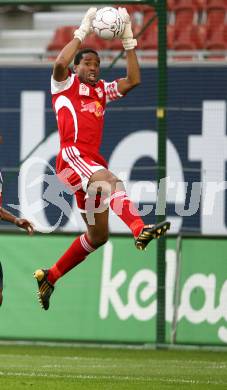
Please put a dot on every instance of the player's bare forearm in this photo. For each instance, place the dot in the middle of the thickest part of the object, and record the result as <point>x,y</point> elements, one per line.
<point>133,70</point>
<point>133,73</point>
<point>20,222</point>
<point>7,216</point>
<point>64,59</point>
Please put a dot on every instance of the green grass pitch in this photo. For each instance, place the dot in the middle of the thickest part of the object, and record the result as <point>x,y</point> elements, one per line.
<point>53,368</point>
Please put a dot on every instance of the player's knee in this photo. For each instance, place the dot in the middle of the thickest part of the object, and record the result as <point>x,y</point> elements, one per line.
<point>110,184</point>
<point>105,183</point>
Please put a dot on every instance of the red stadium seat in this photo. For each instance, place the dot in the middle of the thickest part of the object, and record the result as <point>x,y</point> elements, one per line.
<point>216,4</point>
<point>150,15</point>
<point>217,39</point>
<point>200,36</point>
<point>94,42</point>
<point>195,4</point>
<point>149,40</point>
<point>188,40</point>
<point>170,36</point>
<point>216,14</point>
<point>150,31</point>
<point>184,40</point>
<point>138,8</point>
<point>184,17</point>
<point>137,19</point>
<point>180,4</point>
<point>64,34</point>
<point>61,37</point>
<point>215,17</point>
<point>186,14</point>
<point>200,4</point>
<point>191,38</point>
<point>170,5</point>
<point>115,44</point>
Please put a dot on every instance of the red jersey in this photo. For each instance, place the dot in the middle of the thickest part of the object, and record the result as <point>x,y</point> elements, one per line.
<point>80,109</point>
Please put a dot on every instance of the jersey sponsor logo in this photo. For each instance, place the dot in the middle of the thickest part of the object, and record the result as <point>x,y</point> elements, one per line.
<point>94,108</point>
<point>84,90</point>
<point>99,92</point>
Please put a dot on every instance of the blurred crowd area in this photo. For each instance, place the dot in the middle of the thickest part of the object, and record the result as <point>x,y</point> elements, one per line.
<point>196,30</point>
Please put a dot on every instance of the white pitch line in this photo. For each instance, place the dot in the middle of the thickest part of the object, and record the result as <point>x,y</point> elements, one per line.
<point>80,376</point>
<point>193,381</point>
<point>114,377</point>
<point>210,364</point>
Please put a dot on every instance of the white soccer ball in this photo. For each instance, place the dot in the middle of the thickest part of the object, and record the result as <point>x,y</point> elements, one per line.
<point>108,24</point>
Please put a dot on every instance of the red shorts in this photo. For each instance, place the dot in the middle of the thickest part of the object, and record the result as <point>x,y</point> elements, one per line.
<point>75,170</point>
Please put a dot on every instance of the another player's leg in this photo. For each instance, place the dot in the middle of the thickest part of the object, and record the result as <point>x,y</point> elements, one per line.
<point>1,283</point>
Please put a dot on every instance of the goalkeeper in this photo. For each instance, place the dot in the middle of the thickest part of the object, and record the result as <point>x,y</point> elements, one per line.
<point>79,101</point>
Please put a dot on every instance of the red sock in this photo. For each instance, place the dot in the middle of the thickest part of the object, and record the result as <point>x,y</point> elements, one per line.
<point>126,210</point>
<point>76,253</point>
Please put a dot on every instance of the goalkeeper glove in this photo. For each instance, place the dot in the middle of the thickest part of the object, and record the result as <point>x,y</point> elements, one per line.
<point>127,37</point>
<point>85,27</point>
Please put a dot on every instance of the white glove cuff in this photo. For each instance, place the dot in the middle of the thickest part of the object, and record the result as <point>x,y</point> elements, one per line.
<point>80,34</point>
<point>129,43</point>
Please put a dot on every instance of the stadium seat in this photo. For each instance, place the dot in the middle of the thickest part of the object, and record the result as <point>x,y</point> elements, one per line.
<point>195,4</point>
<point>215,17</point>
<point>150,33</point>
<point>170,36</point>
<point>94,42</point>
<point>191,38</point>
<point>115,44</point>
<point>216,14</point>
<point>185,17</point>
<point>64,34</point>
<point>149,40</point>
<point>216,4</point>
<point>184,39</point>
<point>200,36</point>
<point>200,4</point>
<point>138,8</point>
<point>61,36</point>
<point>217,39</point>
<point>170,5</point>
<point>150,15</point>
<point>182,4</point>
<point>137,19</point>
